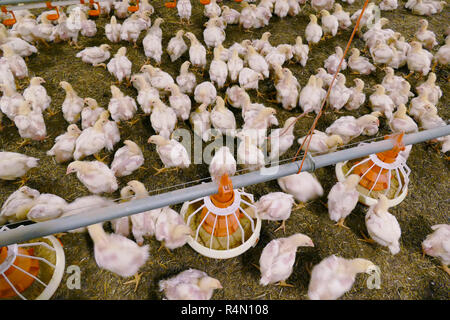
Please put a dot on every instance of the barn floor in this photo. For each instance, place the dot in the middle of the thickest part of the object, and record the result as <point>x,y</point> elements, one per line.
<point>406,275</point>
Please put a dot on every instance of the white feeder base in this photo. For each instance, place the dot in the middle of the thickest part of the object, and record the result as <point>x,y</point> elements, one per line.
<point>57,273</point>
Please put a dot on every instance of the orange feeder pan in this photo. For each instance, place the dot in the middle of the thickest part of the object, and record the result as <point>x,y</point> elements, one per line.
<point>53,16</point>
<point>134,8</point>
<point>172,4</point>
<point>205,2</point>
<point>93,12</point>
<point>11,21</point>
<point>20,274</point>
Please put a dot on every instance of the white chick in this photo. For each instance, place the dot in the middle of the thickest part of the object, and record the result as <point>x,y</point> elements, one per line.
<point>256,62</point>
<point>180,102</point>
<point>94,175</point>
<point>10,101</point>
<point>91,141</point>
<point>339,94</point>
<point>249,79</point>
<point>313,32</point>
<point>230,15</point>
<point>95,55</point>
<point>222,163</point>
<point>112,30</point>
<point>121,9</point>
<point>213,35</point>
<point>37,94</point>
<point>116,253</point>
<point>382,226</point>
<point>218,70</point>
<point>325,76</point>
<point>278,258</point>
<point>146,93</point>
<point>205,92</point>
<point>235,96</point>
<point>332,62</point>
<point>330,23</point>
<point>357,97</point>
<point>418,104</point>
<point>201,122</point>
<point>235,64</point>
<point>46,207</point>
<point>282,139</point>
<point>381,102</point>
<point>430,119</point>
<point>17,205</point>
<point>212,9</point>
<point>121,107</point>
<point>312,95</point>
<point>133,26</point>
<point>418,59</point>
<point>388,5</point>
<point>163,118</point>
<point>443,55</point>
<point>275,206</point>
<point>320,142</point>
<point>186,80</point>
<point>247,19</point>
<point>158,78</point>
<point>153,47</point>
<point>72,105</point>
<point>381,53</point>
<point>426,37</point>
<point>261,45</point>
<point>437,244</point>
<point>248,153</point>
<point>391,82</point>
<point>90,113</point>
<point>303,186</point>
<point>65,144</point>
<point>360,64</point>
<point>349,127</point>
<point>401,122</point>
<point>171,229</point>
<point>6,75</point>
<point>278,55</point>
<point>189,285</point>
<point>342,16</point>
<point>334,276</point>
<point>171,152</point>
<point>184,9</point>
<point>177,47</point>
<point>223,119</point>
<point>20,46</point>
<point>127,159</point>
<point>120,66</point>
<point>15,62</point>
<point>197,52</point>
<point>300,51</point>
<point>281,8</point>
<point>342,199</point>
<point>433,90</point>
<point>30,123</point>
<point>319,5</point>
<point>43,31</point>
<point>88,27</point>
<point>287,88</point>
<point>15,165</point>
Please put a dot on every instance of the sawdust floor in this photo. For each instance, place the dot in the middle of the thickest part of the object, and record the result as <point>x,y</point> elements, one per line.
<point>406,275</point>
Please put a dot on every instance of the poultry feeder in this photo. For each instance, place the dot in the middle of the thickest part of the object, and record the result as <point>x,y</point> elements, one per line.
<point>52,16</point>
<point>385,172</point>
<point>31,270</point>
<point>135,7</point>
<point>93,12</point>
<point>224,225</point>
<point>11,21</point>
<point>171,4</point>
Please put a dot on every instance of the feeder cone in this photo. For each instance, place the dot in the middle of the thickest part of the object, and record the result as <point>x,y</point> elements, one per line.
<point>223,199</point>
<point>52,17</point>
<point>11,21</point>
<point>16,273</point>
<point>373,176</point>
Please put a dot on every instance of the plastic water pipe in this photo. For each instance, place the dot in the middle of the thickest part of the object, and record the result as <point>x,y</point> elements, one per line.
<point>37,230</point>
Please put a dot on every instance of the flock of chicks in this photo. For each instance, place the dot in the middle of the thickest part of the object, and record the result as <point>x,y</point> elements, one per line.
<point>245,64</point>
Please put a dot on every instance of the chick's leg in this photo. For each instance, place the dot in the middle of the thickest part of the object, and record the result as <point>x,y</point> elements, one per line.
<point>341,224</point>
<point>284,284</point>
<point>446,269</point>
<point>162,246</point>
<point>136,280</point>
<point>366,238</point>
<point>282,226</point>
<point>298,206</point>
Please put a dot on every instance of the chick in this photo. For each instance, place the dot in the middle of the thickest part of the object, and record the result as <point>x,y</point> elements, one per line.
<point>360,64</point>
<point>177,47</point>
<point>342,199</point>
<point>127,159</point>
<point>443,55</point>
<point>163,118</point>
<point>401,122</point>
<point>88,27</point>
<point>72,105</point>
<point>15,62</point>
<point>249,79</point>
<point>342,16</point>
<point>37,94</point>
<point>6,76</point>
<point>349,127</point>
<point>330,23</point>
<point>300,51</point>
<point>230,15</point>
<point>381,102</point>
<point>278,258</point>
<point>256,62</point>
<point>313,32</point>
<point>184,9</point>
<point>248,153</point>
<point>112,30</point>
<point>205,92</point>
<point>186,80</point>
<point>17,205</point>
<point>201,122</point>
<point>236,96</point>
<point>95,55</point>
<point>152,47</point>
<point>133,26</point>
<point>218,70</point>
<point>222,163</point>
<point>172,153</point>
<point>339,94</point>
<point>10,101</point>
<point>437,244</point>
<point>332,62</point>
<point>391,82</point>
<point>281,8</point>
<point>388,5</point>
<point>319,5</point>
<point>357,97</point>
<point>120,66</point>
<point>247,19</point>
<point>146,93</point>
<point>381,53</point>
<point>324,76</point>
<point>94,175</point>
<point>180,102</point>
<point>197,52</point>
<point>90,113</point>
<point>434,91</point>
<point>418,59</point>
<point>15,165</point>
<point>312,95</point>
<point>171,229</point>
<point>223,119</point>
<point>158,78</point>
<point>30,122</point>
<point>321,143</point>
<point>65,144</point>
<point>303,186</point>
<point>213,34</point>
<point>261,45</point>
<point>334,276</point>
<point>91,141</point>
<point>235,64</point>
<point>426,37</point>
<point>275,206</point>
<point>121,9</point>
<point>46,207</point>
<point>287,87</point>
<point>188,285</point>
<point>382,226</point>
<point>121,107</point>
<point>282,139</point>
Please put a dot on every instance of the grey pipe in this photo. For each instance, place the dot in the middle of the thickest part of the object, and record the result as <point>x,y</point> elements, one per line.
<point>37,230</point>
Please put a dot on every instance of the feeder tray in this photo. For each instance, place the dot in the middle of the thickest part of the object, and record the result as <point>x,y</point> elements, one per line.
<point>225,225</point>
<point>385,172</point>
<point>52,16</point>
<point>134,8</point>
<point>11,21</point>
<point>172,4</point>
<point>31,270</point>
<point>93,12</point>
<point>205,2</point>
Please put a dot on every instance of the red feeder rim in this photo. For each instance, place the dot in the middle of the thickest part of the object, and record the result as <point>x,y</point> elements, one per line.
<point>53,16</point>
<point>8,22</point>
<point>171,4</point>
<point>134,8</point>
